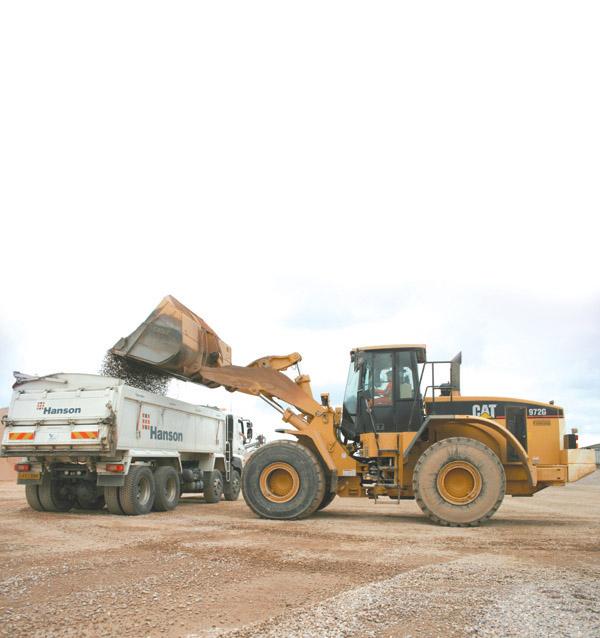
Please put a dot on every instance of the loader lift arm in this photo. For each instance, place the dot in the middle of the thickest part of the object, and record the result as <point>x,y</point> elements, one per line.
<point>264,377</point>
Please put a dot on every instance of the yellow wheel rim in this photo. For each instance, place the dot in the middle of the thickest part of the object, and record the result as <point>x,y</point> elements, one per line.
<point>279,482</point>
<point>459,483</point>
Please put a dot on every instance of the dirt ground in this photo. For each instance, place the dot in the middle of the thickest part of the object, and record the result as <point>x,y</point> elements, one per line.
<point>355,568</point>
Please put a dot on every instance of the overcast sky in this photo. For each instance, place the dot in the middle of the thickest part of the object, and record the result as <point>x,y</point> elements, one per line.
<point>307,177</point>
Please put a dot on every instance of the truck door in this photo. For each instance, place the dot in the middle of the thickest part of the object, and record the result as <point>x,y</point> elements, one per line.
<point>516,423</point>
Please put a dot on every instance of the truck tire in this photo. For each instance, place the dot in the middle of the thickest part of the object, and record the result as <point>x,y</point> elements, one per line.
<point>33,498</point>
<point>283,480</point>
<point>459,482</point>
<point>111,496</point>
<point>231,489</point>
<point>213,486</point>
<point>137,494</point>
<point>168,489</point>
<point>54,497</point>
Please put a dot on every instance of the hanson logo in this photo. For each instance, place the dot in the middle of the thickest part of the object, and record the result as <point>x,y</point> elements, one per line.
<point>42,406</point>
<point>165,435</point>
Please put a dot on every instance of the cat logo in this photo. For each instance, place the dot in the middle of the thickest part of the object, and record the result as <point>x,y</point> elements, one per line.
<point>487,410</point>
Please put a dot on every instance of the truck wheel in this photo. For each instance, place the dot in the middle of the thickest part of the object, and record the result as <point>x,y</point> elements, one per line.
<point>33,498</point>
<point>213,486</point>
<point>168,489</point>
<point>54,496</point>
<point>283,480</point>
<point>137,494</point>
<point>111,496</point>
<point>459,482</point>
<point>231,489</point>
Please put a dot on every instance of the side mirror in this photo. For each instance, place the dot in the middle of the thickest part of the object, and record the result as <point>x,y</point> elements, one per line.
<point>249,431</point>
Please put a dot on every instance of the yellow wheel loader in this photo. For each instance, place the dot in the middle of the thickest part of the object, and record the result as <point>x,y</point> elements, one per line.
<point>400,434</point>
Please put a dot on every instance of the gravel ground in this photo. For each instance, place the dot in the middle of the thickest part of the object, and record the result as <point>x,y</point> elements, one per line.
<point>355,568</point>
<point>473,596</point>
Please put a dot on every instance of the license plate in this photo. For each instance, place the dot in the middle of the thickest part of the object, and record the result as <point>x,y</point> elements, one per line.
<point>30,476</point>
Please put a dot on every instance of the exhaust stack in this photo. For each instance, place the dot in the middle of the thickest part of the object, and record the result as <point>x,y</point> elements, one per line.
<point>455,373</point>
<point>176,341</point>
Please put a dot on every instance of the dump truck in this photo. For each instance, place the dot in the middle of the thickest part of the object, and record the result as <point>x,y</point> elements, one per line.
<point>401,432</point>
<point>91,441</point>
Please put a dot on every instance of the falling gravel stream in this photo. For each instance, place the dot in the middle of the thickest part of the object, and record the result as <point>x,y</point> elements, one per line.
<point>135,374</point>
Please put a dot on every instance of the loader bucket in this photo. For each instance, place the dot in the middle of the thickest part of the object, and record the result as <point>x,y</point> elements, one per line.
<point>176,341</point>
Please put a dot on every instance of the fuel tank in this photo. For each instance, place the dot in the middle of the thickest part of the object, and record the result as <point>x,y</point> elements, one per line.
<point>176,341</point>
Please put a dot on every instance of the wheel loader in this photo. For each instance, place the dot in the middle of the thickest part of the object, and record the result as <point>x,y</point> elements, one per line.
<point>401,433</point>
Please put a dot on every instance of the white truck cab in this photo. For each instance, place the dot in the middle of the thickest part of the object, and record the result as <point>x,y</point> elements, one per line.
<point>92,440</point>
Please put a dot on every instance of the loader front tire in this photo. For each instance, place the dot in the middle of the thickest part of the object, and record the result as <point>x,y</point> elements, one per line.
<point>327,500</point>
<point>168,489</point>
<point>33,498</point>
<point>459,482</point>
<point>283,480</point>
<point>137,494</point>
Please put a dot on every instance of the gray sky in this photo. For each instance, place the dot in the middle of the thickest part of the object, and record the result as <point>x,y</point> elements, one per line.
<point>307,177</point>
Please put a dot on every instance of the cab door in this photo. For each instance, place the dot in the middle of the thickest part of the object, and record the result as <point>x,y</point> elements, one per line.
<point>380,370</point>
<point>408,405</point>
<point>374,404</point>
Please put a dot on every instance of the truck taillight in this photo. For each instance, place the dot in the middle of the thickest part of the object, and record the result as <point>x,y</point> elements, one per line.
<point>22,467</point>
<point>115,467</point>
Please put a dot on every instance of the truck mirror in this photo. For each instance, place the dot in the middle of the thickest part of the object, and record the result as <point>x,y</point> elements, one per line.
<point>249,431</point>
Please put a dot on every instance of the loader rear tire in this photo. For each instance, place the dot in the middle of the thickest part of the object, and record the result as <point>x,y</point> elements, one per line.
<point>54,497</point>
<point>231,489</point>
<point>33,498</point>
<point>459,482</point>
<point>111,496</point>
<point>283,480</point>
<point>137,494</point>
<point>213,486</point>
<point>168,489</point>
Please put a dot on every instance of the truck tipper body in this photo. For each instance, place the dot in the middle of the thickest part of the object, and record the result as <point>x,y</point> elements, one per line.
<point>92,440</point>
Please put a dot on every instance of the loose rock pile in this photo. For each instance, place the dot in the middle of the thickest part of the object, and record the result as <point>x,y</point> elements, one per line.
<point>135,374</point>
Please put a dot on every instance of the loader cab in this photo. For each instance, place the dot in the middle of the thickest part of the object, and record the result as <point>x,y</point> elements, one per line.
<point>382,391</point>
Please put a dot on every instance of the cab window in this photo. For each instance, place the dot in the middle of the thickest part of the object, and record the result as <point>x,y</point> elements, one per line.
<point>405,376</point>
